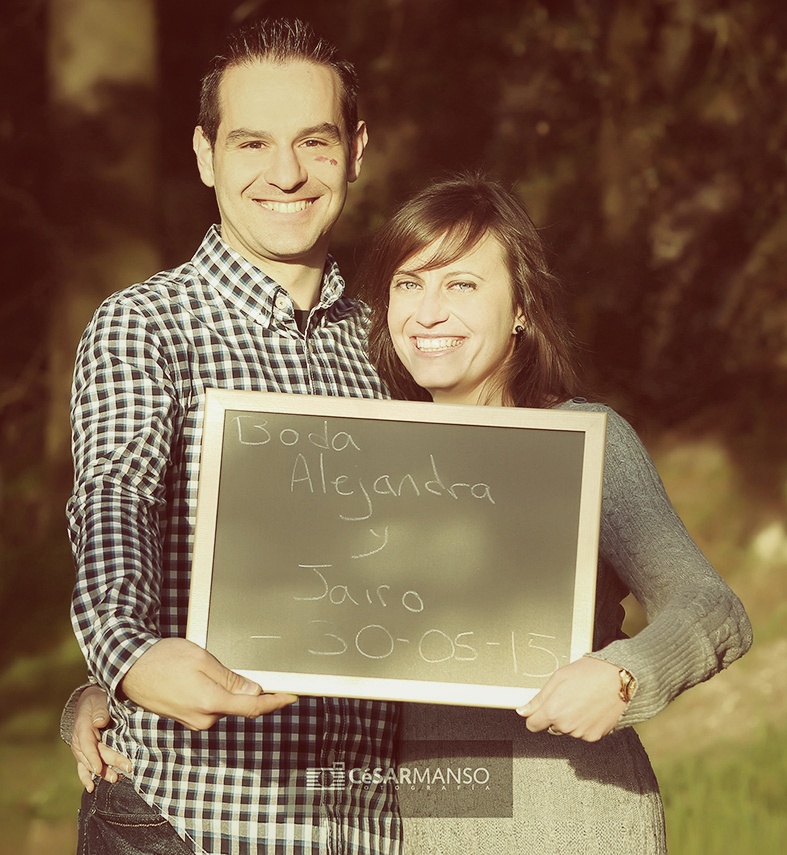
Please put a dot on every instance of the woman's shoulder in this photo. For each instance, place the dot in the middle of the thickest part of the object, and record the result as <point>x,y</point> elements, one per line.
<point>621,436</point>
<point>586,406</point>
<point>580,403</point>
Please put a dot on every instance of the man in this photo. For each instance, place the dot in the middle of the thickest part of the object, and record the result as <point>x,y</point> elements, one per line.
<point>218,763</point>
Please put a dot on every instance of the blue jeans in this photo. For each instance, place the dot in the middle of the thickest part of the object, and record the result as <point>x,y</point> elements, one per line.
<point>115,820</point>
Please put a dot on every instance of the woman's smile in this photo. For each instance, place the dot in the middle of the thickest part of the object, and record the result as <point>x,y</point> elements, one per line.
<point>436,346</point>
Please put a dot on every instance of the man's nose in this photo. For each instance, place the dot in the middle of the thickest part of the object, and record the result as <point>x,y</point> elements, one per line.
<point>285,169</point>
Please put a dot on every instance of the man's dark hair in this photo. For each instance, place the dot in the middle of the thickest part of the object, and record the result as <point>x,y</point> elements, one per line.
<point>276,40</point>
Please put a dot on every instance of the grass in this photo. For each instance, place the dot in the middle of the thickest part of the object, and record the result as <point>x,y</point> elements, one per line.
<point>729,801</point>
<point>40,797</point>
<point>39,790</point>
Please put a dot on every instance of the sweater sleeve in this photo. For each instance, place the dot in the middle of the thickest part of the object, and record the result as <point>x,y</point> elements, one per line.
<point>69,713</point>
<point>696,625</point>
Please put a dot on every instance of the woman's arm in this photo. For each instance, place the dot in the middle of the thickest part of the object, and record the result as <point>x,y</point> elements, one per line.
<point>84,717</point>
<point>696,624</point>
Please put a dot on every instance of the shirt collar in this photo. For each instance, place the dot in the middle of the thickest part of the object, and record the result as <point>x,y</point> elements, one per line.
<point>250,290</point>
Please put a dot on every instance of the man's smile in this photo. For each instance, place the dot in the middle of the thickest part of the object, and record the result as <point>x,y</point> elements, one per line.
<point>285,207</point>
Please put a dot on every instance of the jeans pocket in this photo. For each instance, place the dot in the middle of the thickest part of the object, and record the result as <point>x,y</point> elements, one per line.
<point>115,820</point>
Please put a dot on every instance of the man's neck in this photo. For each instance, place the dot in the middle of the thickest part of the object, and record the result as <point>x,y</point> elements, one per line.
<point>302,282</point>
<point>302,279</point>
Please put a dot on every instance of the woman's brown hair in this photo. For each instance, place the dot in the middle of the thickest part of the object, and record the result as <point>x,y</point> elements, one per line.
<point>543,369</point>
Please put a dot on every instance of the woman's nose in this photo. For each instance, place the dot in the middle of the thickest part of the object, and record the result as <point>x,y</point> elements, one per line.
<point>433,308</point>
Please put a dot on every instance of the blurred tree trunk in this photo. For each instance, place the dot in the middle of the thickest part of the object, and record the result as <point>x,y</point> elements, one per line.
<point>102,67</point>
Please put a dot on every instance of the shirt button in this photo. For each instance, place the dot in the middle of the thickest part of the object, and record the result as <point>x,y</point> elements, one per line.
<point>282,302</point>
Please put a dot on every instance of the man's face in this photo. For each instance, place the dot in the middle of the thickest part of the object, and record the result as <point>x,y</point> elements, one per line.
<point>281,162</point>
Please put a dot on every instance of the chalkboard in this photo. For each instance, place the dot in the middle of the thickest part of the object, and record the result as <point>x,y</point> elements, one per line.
<point>404,551</point>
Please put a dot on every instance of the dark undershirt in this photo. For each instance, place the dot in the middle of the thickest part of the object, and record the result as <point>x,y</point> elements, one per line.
<point>301,318</point>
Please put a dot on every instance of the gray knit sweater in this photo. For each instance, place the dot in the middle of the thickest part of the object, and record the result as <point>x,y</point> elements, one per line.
<point>696,624</point>
<point>575,797</point>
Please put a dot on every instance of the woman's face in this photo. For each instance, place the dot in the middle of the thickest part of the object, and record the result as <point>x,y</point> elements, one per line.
<point>453,327</point>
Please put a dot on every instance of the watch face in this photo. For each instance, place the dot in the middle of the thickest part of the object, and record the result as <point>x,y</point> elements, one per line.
<point>628,685</point>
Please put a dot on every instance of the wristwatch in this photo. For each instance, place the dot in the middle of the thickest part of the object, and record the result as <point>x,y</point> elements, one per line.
<point>628,685</point>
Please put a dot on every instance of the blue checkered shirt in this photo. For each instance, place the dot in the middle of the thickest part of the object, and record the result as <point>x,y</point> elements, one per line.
<point>142,369</point>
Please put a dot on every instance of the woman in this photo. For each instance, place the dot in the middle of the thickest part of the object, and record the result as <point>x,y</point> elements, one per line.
<point>463,310</point>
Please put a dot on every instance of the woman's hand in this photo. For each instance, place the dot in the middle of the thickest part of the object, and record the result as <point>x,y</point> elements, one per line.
<point>92,755</point>
<point>581,699</point>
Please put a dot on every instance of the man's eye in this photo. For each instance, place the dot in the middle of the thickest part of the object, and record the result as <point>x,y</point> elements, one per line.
<point>314,143</point>
<point>252,144</point>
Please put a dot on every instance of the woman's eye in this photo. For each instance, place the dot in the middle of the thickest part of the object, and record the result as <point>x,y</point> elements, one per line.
<point>463,286</point>
<point>405,285</point>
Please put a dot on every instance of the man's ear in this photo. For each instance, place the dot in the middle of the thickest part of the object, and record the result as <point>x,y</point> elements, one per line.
<point>204,151</point>
<point>357,148</point>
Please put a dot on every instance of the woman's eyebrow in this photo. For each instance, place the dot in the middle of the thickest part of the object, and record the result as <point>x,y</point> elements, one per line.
<point>418,271</point>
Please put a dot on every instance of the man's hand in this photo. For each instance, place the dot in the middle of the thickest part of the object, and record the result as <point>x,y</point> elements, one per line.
<point>178,679</point>
<point>580,699</point>
<point>92,755</point>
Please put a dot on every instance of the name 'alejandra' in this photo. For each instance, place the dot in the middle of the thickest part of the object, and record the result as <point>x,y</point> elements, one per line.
<point>314,479</point>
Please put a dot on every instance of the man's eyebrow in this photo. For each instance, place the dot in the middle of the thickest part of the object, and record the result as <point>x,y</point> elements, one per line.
<point>326,129</point>
<point>246,134</point>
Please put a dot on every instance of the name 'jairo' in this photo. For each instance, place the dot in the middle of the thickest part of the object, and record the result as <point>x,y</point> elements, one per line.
<point>314,479</point>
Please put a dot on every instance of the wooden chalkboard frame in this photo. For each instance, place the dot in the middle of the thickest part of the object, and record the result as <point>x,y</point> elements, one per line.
<point>591,425</point>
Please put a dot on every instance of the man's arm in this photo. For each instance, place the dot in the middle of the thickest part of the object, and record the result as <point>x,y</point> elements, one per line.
<point>87,713</point>
<point>178,679</point>
<point>125,413</point>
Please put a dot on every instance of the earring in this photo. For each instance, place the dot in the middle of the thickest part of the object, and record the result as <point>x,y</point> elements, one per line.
<point>518,329</point>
